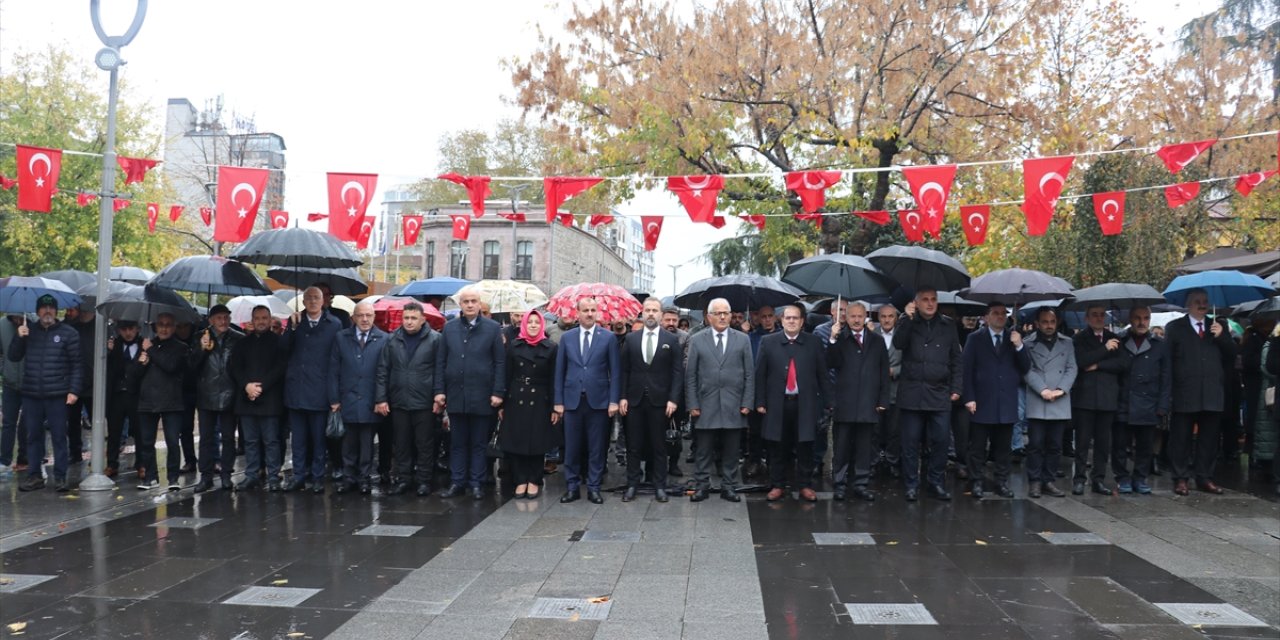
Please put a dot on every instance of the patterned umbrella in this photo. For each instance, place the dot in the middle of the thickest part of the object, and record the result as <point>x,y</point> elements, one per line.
<point>615,303</point>
<point>509,296</point>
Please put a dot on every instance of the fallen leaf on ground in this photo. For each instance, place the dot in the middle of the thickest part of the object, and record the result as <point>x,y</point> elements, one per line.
<point>891,543</point>
<point>981,542</point>
<point>279,582</point>
<point>598,599</point>
<point>16,626</point>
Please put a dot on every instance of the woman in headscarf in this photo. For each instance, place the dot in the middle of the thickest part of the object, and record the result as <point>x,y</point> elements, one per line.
<point>528,421</point>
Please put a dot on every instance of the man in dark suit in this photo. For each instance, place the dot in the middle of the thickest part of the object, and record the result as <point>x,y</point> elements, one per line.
<point>1202,353</point>
<point>1096,398</point>
<point>994,364</point>
<point>257,368</point>
<point>792,385</point>
<point>470,382</point>
<point>652,383</point>
<point>932,378</point>
<point>861,362</point>
<point>353,370</point>
<point>588,386</point>
<point>122,391</point>
<point>309,342</point>
<point>1146,394</point>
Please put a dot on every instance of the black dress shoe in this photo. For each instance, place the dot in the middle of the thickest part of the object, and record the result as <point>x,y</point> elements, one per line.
<point>661,495</point>
<point>1004,491</point>
<point>204,485</point>
<point>1050,489</point>
<point>1077,488</point>
<point>699,495</point>
<point>594,497</point>
<point>296,484</point>
<point>1101,488</point>
<point>247,485</point>
<point>274,486</point>
<point>976,490</point>
<point>629,494</point>
<point>838,495</point>
<point>864,494</point>
<point>730,495</point>
<point>424,489</point>
<point>912,495</point>
<point>477,493</point>
<point>344,487</point>
<point>453,491</point>
<point>940,492</point>
<point>571,496</point>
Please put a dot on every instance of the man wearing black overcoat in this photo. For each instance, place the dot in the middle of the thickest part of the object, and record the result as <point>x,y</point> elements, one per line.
<point>861,362</point>
<point>1202,353</point>
<point>792,388</point>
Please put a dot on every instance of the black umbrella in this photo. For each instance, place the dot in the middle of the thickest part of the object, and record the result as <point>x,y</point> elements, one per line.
<point>961,306</point>
<point>638,294</point>
<point>838,274</point>
<point>146,303</point>
<point>297,248</point>
<point>1016,287</point>
<point>919,268</point>
<point>89,293</point>
<point>744,292</point>
<point>73,278</point>
<point>343,281</point>
<point>132,275</point>
<point>1115,295</point>
<point>210,275</point>
<point>1268,309</point>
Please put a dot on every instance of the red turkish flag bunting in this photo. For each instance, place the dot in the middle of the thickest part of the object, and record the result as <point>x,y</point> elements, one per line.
<point>912,224</point>
<point>717,222</point>
<point>1180,194</point>
<point>120,203</point>
<point>153,214</point>
<point>1043,180</point>
<point>135,169</point>
<point>1248,182</point>
<point>316,217</point>
<point>38,170</point>
<point>279,219</point>
<point>812,187</point>
<point>755,220</point>
<point>652,229</point>
<point>599,219</point>
<point>6,183</point>
<point>975,219</point>
<point>879,217</point>
<point>206,215</point>
<point>558,189</point>
<point>349,196</point>
<point>513,216</point>
<point>477,189</point>
<point>1177,156</point>
<point>409,226</point>
<point>1109,207</point>
<point>461,225</point>
<point>931,187</point>
<point>240,191</point>
<point>815,218</point>
<point>363,233</point>
<point>85,199</point>
<point>566,219</point>
<point>175,212</point>
<point>697,194</point>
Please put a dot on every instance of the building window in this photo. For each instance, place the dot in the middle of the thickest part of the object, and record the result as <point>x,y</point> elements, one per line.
<point>458,250</point>
<point>492,256</point>
<point>431,258</point>
<point>524,260</point>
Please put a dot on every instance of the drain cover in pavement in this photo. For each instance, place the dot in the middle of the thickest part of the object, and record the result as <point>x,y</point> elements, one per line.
<point>1072,538</point>
<point>595,535</point>
<point>15,582</point>
<point>1209,615</point>
<point>272,596</point>
<point>889,614</point>
<point>185,523</point>
<point>570,608</point>
<point>391,530</point>
<point>843,538</point>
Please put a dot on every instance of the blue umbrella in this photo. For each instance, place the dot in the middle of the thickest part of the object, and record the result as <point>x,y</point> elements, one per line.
<point>1225,288</point>
<point>439,286</point>
<point>18,294</point>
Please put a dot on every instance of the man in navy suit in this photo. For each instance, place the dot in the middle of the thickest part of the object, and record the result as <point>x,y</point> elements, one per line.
<point>994,364</point>
<point>588,385</point>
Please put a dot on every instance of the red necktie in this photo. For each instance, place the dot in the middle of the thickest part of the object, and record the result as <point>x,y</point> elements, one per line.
<point>858,336</point>
<point>1200,329</point>
<point>791,377</point>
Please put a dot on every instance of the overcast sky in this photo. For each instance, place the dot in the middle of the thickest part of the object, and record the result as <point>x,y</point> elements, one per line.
<point>365,87</point>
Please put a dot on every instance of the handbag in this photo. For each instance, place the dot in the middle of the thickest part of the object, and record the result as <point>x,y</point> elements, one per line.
<point>336,428</point>
<point>673,432</point>
<point>494,450</point>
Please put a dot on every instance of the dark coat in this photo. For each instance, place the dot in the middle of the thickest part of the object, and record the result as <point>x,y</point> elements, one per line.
<point>993,379</point>
<point>309,350</point>
<point>160,387</point>
<point>353,372</point>
<point>526,412</point>
<point>1146,391</point>
<point>471,366</point>
<point>1272,361</point>
<point>51,360</point>
<point>259,357</point>
<point>87,344</point>
<point>1098,390</point>
<point>931,365</point>
<point>123,372</point>
<point>407,383</point>
<point>214,389</point>
<point>342,316</point>
<point>812,380</point>
<point>862,376</point>
<point>662,379</point>
<point>1200,366</point>
<point>597,374</point>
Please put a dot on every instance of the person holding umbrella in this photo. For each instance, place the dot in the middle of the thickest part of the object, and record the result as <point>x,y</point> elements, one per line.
<point>163,365</point>
<point>1202,352</point>
<point>994,364</point>
<point>122,389</point>
<point>1049,380</point>
<point>932,379</point>
<point>1146,396</point>
<point>52,380</point>
<point>309,342</point>
<point>861,361</point>
<point>215,396</point>
<point>1095,398</point>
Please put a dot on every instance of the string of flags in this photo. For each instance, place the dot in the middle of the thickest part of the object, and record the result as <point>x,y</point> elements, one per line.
<point>241,189</point>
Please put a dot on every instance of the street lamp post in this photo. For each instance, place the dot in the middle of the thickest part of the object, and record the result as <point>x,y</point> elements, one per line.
<point>108,59</point>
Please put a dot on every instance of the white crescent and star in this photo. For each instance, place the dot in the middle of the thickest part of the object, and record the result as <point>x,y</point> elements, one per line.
<point>1052,176</point>
<point>977,226</point>
<point>342,195</point>
<point>253,197</point>
<point>1195,153</point>
<point>1115,208</point>
<point>697,185</point>
<point>651,228</point>
<point>48,166</point>
<point>804,179</point>
<point>412,224</point>
<point>915,224</point>
<point>1255,179</point>
<point>280,219</point>
<point>931,186</point>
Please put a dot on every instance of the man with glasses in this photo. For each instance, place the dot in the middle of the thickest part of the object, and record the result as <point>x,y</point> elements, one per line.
<point>792,388</point>
<point>1202,354</point>
<point>470,382</point>
<point>353,369</point>
<point>720,393</point>
<point>160,402</point>
<point>309,342</point>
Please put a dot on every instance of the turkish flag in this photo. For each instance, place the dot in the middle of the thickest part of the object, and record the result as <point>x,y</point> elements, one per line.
<point>755,220</point>
<point>558,189</point>
<point>652,229</point>
<point>363,233</point>
<point>315,217</point>
<point>912,224</point>
<point>1180,194</point>
<point>409,226</point>
<point>120,203</point>
<point>240,191</point>
<point>461,225</point>
<point>599,219</point>
<point>566,219</point>
<point>812,187</point>
<point>697,194</point>
<point>1177,156</point>
<point>717,222</point>
<point>512,216</point>
<point>135,169</point>
<point>349,195</point>
<point>279,219</point>
<point>38,170</point>
<point>153,214</point>
<point>477,189</point>
<point>1248,182</point>
<point>6,183</point>
<point>175,212</point>
<point>975,219</point>
<point>1109,207</point>
<point>206,215</point>
<point>85,199</point>
<point>815,218</point>
<point>1043,180</point>
<point>879,217</point>
<point>931,186</point>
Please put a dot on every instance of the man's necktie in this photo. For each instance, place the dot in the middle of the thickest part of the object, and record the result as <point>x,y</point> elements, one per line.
<point>720,342</point>
<point>857,335</point>
<point>792,389</point>
<point>997,341</point>
<point>1200,329</point>
<point>648,348</point>
<point>363,338</point>
<point>586,341</point>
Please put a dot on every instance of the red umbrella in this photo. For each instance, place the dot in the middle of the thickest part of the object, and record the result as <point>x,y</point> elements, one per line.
<point>615,303</point>
<point>387,312</point>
